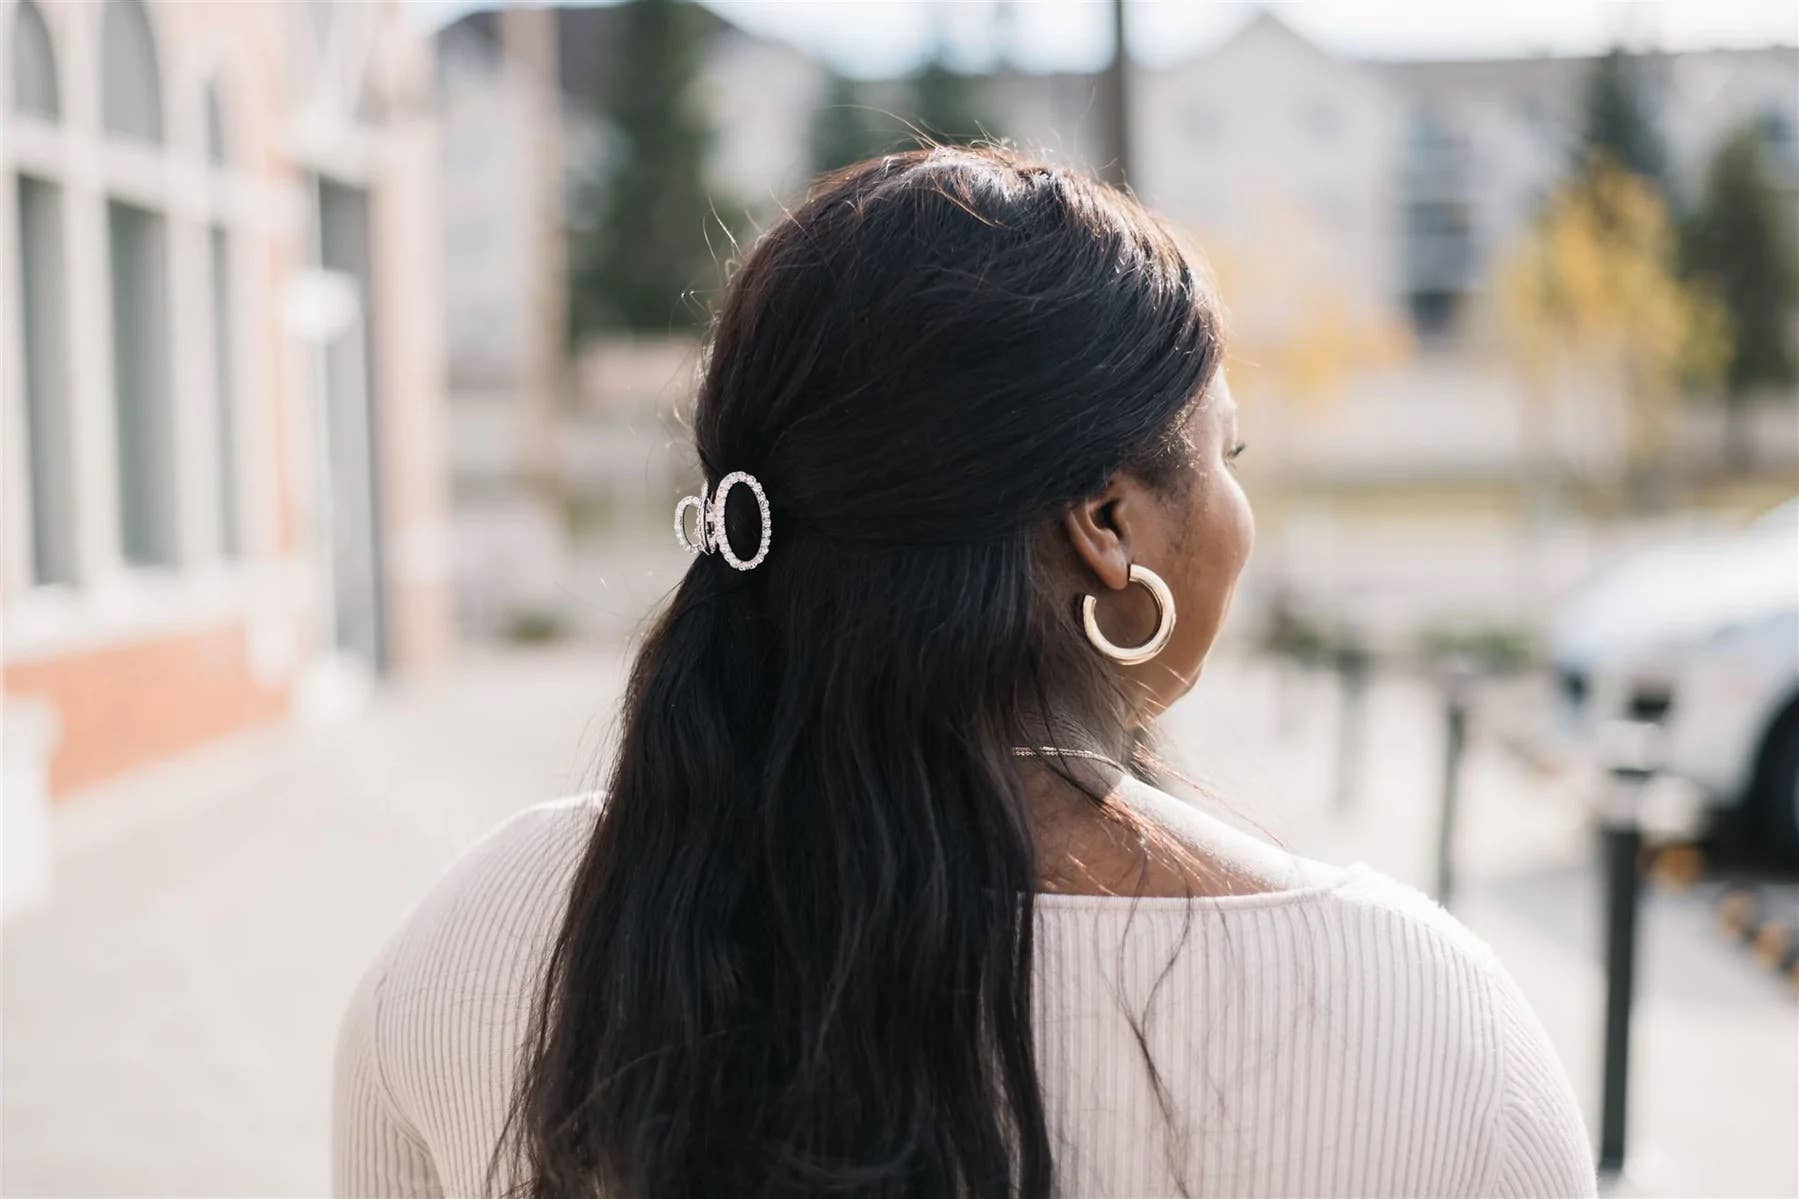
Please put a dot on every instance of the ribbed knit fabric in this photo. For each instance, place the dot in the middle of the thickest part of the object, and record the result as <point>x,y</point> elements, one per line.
<point>1346,1037</point>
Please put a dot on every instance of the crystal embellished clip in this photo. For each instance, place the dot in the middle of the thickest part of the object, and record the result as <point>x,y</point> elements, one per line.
<point>709,521</point>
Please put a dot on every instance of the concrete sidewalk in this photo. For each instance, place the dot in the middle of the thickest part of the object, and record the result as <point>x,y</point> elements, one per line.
<point>169,1013</point>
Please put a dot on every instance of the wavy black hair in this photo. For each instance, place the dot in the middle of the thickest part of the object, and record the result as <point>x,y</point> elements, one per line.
<point>797,954</point>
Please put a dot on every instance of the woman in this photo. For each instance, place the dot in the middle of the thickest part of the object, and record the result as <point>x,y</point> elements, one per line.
<point>881,898</point>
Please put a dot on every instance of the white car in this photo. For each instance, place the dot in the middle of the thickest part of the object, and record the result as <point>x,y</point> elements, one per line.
<point>1703,637</point>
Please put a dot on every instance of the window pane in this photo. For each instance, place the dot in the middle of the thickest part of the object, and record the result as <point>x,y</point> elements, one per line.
<point>47,445</point>
<point>224,332</point>
<point>141,385</point>
<point>350,404</point>
<point>33,64</point>
<point>216,149</point>
<point>131,87</point>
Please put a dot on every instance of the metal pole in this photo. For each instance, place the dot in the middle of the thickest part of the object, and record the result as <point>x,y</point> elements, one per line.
<point>1116,103</point>
<point>1352,688</point>
<point>1621,847</point>
<point>1455,720</point>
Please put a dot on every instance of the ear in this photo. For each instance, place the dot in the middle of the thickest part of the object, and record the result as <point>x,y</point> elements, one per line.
<point>1099,531</point>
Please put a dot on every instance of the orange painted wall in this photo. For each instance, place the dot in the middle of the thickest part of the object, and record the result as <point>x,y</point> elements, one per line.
<point>132,704</point>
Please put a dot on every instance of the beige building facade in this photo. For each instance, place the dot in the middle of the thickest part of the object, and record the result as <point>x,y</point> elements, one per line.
<point>220,361</point>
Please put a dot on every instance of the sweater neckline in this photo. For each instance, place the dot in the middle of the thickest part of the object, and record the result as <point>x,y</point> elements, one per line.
<point>1124,905</point>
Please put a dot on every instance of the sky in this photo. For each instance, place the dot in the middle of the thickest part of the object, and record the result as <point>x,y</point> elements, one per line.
<point>887,37</point>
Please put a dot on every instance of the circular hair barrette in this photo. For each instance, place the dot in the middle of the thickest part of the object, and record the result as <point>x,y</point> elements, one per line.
<point>709,521</point>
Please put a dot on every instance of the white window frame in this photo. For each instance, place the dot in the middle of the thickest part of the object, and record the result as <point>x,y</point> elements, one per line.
<point>113,600</point>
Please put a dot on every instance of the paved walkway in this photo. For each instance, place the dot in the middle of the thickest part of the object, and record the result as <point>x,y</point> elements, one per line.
<point>169,1012</point>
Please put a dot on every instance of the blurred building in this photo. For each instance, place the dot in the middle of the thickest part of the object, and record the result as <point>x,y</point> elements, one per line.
<point>1356,212</point>
<point>1273,149</point>
<point>1403,181</point>
<point>1485,142</point>
<point>510,136</point>
<point>1345,202</point>
<point>521,93</point>
<point>221,363</point>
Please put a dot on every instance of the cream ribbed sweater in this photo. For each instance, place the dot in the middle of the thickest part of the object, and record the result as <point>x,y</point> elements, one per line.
<point>1342,1037</point>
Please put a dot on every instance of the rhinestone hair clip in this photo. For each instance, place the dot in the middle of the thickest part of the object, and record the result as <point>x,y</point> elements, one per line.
<point>709,521</point>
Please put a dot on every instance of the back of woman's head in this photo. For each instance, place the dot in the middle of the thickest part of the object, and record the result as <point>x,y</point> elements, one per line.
<point>797,954</point>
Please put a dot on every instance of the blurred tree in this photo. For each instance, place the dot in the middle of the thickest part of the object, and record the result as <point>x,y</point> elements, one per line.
<point>945,105</point>
<point>1740,243</point>
<point>1299,330</point>
<point>1301,333</point>
<point>647,246</point>
<point>1618,124</point>
<point>844,129</point>
<point>1592,303</point>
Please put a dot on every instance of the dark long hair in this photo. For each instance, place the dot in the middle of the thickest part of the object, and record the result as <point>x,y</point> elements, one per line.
<point>797,956</point>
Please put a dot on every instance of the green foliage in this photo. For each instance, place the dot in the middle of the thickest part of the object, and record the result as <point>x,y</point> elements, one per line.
<point>646,247</point>
<point>533,626</point>
<point>945,106</point>
<point>589,515</point>
<point>845,130</point>
<point>1487,648</point>
<point>1740,242</point>
<point>1618,125</point>
<point>1292,633</point>
<point>1593,292</point>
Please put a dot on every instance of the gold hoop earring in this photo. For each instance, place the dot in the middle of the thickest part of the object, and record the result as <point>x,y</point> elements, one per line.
<point>1158,640</point>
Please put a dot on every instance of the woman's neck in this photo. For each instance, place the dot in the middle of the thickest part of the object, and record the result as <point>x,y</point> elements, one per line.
<point>1087,842</point>
<point>1091,838</point>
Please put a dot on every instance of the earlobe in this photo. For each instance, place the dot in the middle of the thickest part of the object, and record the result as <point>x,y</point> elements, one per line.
<point>1098,541</point>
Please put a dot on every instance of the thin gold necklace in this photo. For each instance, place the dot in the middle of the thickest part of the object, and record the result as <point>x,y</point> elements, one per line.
<point>1051,751</point>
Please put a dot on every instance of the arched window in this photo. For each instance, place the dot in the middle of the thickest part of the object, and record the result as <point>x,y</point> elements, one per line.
<point>131,82</point>
<point>137,246</point>
<point>43,357</point>
<point>137,252</point>
<point>34,87</point>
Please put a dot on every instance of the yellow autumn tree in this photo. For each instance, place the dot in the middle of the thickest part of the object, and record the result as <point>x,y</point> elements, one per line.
<point>1298,333</point>
<point>1594,313</point>
<point>1296,330</point>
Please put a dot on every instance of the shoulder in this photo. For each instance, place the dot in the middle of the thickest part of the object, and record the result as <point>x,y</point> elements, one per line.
<point>494,910</point>
<point>1384,905</point>
<point>1438,974</point>
<point>505,890</point>
<point>1411,1033</point>
<point>508,876</point>
<point>1391,939</point>
<point>449,995</point>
